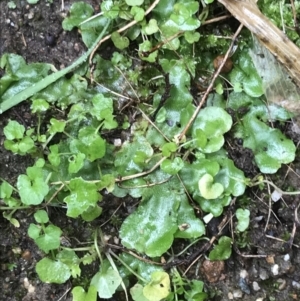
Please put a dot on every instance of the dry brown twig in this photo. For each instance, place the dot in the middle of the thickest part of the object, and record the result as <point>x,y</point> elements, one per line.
<point>286,52</point>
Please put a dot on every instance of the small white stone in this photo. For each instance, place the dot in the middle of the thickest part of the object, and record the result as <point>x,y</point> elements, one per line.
<point>230,296</point>
<point>260,299</point>
<point>106,238</point>
<point>207,218</point>
<point>276,196</point>
<point>30,15</point>
<point>237,294</point>
<point>26,282</point>
<point>17,250</point>
<point>243,274</point>
<point>255,286</point>
<point>31,289</point>
<point>275,269</point>
<point>259,218</point>
<point>116,240</point>
<point>117,142</point>
<point>296,285</point>
<point>286,257</point>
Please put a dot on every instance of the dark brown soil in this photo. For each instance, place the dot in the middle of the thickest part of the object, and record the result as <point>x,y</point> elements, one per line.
<point>269,255</point>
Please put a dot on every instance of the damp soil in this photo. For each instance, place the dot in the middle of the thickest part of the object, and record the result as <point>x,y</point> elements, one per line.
<point>264,264</point>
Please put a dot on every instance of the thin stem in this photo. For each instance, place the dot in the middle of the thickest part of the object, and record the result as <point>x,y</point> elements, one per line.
<point>97,247</point>
<point>125,178</point>
<point>127,267</point>
<point>116,270</point>
<point>14,208</point>
<point>277,188</point>
<point>77,249</point>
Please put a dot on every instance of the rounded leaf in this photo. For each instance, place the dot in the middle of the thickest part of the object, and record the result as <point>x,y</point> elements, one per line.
<point>119,41</point>
<point>209,128</point>
<point>79,12</point>
<point>41,217</point>
<point>150,228</point>
<point>51,271</point>
<point>172,167</point>
<point>14,130</point>
<point>208,189</point>
<point>32,192</point>
<point>158,288</point>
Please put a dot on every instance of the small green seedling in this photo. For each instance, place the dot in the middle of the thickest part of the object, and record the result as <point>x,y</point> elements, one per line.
<point>106,281</point>
<point>11,4</point>
<point>222,251</point>
<point>243,217</point>
<point>46,237</point>
<point>17,140</point>
<point>12,204</point>
<point>79,294</point>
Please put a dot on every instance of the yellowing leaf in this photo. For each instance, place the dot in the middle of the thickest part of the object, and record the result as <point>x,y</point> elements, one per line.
<point>158,288</point>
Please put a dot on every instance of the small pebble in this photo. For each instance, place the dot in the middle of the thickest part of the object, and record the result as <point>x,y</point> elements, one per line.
<point>243,274</point>
<point>243,284</point>
<point>230,296</point>
<point>276,196</point>
<point>237,294</point>
<point>76,47</point>
<point>117,142</point>
<point>26,255</point>
<point>116,240</point>
<point>106,238</point>
<point>255,286</point>
<point>270,259</point>
<point>296,285</point>
<point>258,218</point>
<point>30,288</point>
<point>17,250</point>
<point>275,269</point>
<point>30,15</point>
